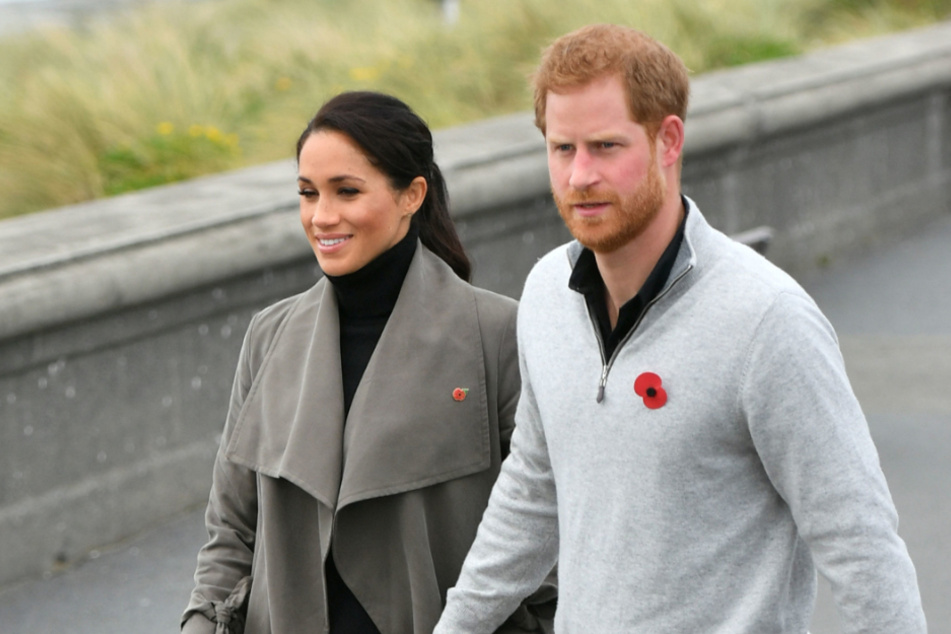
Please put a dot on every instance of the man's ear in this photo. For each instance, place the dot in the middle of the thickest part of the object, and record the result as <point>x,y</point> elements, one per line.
<point>414,195</point>
<point>670,140</point>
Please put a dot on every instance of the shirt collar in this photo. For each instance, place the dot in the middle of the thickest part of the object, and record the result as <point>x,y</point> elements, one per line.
<point>586,279</point>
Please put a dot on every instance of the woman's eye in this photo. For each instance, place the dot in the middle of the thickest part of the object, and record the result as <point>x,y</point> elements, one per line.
<point>307,193</point>
<point>348,191</point>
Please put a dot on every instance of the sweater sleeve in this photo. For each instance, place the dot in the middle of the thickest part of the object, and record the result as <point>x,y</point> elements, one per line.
<point>230,519</point>
<point>517,542</point>
<point>815,446</point>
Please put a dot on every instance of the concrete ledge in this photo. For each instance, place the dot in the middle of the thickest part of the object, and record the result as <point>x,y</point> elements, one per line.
<point>120,320</point>
<point>74,262</point>
<point>61,522</point>
<point>747,104</point>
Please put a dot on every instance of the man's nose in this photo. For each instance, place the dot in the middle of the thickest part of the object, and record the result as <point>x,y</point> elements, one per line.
<point>584,171</point>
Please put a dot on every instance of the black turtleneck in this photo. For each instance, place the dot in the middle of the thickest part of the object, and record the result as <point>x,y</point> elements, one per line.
<point>365,300</point>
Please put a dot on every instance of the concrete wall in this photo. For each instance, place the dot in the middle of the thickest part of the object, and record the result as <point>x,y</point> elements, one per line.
<point>120,320</point>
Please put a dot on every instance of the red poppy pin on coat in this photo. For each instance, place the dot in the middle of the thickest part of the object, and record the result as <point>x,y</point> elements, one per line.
<point>460,393</point>
<point>648,387</point>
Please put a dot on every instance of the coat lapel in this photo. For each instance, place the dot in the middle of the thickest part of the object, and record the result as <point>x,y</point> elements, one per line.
<point>404,429</point>
<point>291,424</point>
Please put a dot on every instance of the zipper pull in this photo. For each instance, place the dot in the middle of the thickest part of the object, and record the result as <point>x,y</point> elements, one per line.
<point>601,384</point>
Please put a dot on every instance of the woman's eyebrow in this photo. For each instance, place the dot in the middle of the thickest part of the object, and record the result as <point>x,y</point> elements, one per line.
<point>333,179</point>
<point>344,177</point>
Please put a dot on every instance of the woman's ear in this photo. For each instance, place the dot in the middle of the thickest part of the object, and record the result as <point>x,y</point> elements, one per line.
<point>413,196</point>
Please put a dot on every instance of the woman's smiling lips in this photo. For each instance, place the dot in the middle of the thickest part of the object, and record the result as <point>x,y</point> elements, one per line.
<point>331,243</point>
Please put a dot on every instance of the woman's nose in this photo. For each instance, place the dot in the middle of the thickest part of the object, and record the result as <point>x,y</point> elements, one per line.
<point>324,214</point>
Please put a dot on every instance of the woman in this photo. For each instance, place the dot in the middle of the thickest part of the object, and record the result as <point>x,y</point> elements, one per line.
<point>370,413</point>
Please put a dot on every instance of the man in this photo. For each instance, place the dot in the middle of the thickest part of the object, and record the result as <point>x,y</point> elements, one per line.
<point>687,448</point>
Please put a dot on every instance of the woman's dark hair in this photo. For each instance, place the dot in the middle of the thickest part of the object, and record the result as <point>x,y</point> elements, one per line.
<point>398,143</point>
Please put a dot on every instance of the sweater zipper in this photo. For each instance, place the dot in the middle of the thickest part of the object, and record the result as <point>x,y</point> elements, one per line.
<point>606,365</point>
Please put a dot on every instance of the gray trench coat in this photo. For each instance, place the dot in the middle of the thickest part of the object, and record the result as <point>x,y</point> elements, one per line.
<point>401,486</point>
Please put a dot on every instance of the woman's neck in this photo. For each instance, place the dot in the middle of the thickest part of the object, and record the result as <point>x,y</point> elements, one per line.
<point>372,291</point>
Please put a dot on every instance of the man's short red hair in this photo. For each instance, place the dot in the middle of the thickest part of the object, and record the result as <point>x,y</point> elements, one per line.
<point>655,78</point>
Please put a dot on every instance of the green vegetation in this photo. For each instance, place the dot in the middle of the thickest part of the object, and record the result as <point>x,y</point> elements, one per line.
<point>169,91</point>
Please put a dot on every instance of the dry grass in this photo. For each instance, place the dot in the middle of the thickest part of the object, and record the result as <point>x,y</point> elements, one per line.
<point>170,91</point>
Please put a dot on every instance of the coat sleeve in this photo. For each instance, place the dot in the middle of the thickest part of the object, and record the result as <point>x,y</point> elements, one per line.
<point>509,384</point>
<point>517,542</point>
<point>224,562</point>
<point>536,612</point>
<point>815,445</point>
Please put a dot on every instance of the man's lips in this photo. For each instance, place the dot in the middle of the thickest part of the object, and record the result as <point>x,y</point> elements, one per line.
<point>590,208</point>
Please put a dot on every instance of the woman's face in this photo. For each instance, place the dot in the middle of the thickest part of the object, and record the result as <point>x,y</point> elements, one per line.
<point>350,212</point>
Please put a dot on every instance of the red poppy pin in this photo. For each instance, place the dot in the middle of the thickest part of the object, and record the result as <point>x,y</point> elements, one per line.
<point>460,393</point>
<point>648,386</point>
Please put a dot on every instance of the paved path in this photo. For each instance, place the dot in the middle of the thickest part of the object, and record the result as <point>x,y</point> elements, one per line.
<point>892,311</point>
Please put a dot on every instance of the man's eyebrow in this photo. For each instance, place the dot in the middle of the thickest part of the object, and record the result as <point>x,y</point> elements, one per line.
<point>611,137</point>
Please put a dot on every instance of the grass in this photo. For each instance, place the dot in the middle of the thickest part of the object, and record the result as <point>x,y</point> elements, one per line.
<point>169,91</point>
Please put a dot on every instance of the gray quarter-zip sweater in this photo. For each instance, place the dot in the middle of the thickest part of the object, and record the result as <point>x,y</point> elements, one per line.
<point>707,504</point>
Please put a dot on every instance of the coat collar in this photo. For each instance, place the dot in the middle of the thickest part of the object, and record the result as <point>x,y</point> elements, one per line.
<point>404,430</point>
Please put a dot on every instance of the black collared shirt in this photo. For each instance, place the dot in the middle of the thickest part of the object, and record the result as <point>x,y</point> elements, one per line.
<point>586,279</point>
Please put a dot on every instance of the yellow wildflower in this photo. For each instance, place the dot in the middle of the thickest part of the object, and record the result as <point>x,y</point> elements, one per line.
<point>364,73</point>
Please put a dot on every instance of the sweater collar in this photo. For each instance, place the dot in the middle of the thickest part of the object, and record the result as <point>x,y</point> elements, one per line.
<point>694,232</point>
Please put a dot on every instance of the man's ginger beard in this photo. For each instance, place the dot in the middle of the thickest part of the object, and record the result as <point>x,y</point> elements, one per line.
<point>626,220</point>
